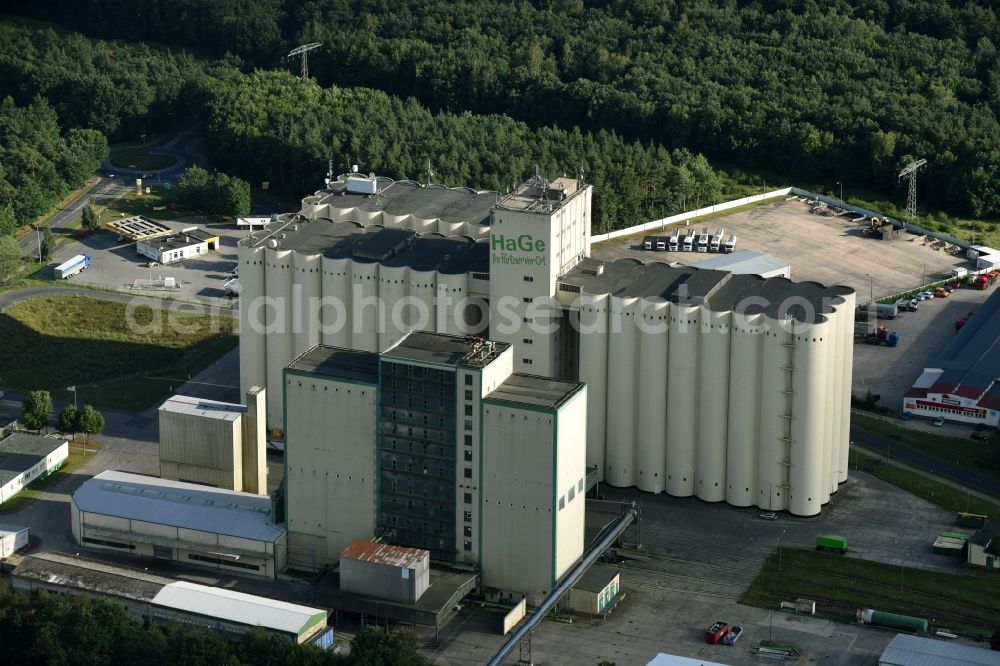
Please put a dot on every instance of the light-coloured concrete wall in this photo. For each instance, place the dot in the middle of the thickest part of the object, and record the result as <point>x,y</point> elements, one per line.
<point>330,471</point>
<point>252,430</point>
<point>253,344</point>
<point>571,477</point>
<point>533,501</point>
<point>201,449</point>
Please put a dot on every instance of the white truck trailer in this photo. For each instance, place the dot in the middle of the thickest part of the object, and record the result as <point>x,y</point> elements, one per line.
<point>70,268</point>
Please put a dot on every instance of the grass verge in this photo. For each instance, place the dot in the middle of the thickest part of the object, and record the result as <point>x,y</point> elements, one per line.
<point>969,453</point>
<point>57,341</point>
<point>131,204</point>
<point>966,603</point>
<point>77,456</point>
<point>141,159</point>
<point>943,495</point>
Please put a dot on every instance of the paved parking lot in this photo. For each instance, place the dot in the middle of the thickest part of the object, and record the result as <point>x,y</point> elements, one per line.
<point>697,560</point>
<point>117,265</point>
<point>828,250</point>
<point>890,371</point>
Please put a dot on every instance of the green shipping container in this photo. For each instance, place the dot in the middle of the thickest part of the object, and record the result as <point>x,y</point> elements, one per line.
<point>962,536</point>
<point>902,622</point>
<point>831,542</point>
<point>970,520</point>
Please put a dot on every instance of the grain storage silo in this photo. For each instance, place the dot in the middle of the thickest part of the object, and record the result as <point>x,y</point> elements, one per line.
<point>682,391</point>
<point>744,409</point>
<point>593,327</point>
<point>365,305</point>
<point>335,314</point>
<point>306,291</point>
<point>622,353</point>
<point>253,349</point>
<point>775,394</point>
<point>808,438</point>
<point>393,282</point>
<point>278,322</point>
<point>651,434</point>
<point>713,399</point>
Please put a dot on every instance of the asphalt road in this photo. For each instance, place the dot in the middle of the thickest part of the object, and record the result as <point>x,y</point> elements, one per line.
<point>102,187</point>
<point>898,451</point>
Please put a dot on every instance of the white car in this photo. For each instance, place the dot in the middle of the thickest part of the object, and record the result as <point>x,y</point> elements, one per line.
<point>769,515</point>
<point>938,422</point>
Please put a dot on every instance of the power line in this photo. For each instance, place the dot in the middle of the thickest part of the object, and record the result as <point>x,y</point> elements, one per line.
<point>911,197</point>
<point>303,51</point>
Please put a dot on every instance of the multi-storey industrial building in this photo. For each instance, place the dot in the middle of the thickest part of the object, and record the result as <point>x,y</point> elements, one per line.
<point>700,382</point>
<point>436,444</point>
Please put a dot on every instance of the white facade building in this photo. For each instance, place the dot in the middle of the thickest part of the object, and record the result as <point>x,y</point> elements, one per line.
<point>12,539</point>
<point>184,244</point>
<point>700,382</point>
<point>25,457</point>
<point>171,520</point>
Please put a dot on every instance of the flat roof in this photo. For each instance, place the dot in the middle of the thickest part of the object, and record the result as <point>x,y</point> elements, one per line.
<point>212,409</point>
<point>6,529</point>
<point>907,650</point>
<point>359,366</point>
<point>139,227</point>
<point>745,262</point>
<point>596,579</point>
<point>718,290</point>
<point>380,553</point>
<point>179,504</point>
<point>90,575</point>
<point>664,659</point>
<point>22,450</point>
<point>407,197</point>
<point>443,349</point>
<point>534,391</point>
<point>238,607</point>
<point>538,195</point>
<point>970,362</point>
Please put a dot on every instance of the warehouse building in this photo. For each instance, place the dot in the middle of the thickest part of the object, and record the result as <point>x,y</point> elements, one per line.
<point>440,446</point>
<point>214,443</point>
<point>383,571</point>
<point>27,457</point>
<point>597,592</point>
<point>147,596</point>
<point>749,262</point>
<point>184,522</point>
<point>962,383</point>
<point>12,539</point>
<point>184,244</point>
<point>744,392</point>
<point>907,650</point>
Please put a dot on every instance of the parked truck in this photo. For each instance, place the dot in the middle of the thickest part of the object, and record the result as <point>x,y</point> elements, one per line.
<point>831,542</point>
<point>716,632</point>
<point>70,268</point>
<point>884,310</point>
<point>985,280</point>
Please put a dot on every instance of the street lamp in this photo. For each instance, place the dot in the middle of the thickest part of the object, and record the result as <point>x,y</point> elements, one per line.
<point>841,190</point>
<point>38,237</point>
<point>871,287</point>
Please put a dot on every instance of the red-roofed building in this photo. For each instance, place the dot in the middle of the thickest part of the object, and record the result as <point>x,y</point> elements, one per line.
<point>380,570</point>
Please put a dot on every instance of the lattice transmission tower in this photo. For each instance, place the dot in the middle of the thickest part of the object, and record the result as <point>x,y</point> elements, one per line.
<point>303,51</point>
<point>911,197</point>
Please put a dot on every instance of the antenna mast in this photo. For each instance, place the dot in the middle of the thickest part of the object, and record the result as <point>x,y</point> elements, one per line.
<point>911,197</point>
<point>303,51</point>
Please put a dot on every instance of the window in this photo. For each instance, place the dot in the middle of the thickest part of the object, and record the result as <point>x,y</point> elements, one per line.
<point>527,299</point>
<point>572,493</point>
<point>468,473</point>
<point>468,424</point>
<point>467,545</point>
<point>468,395</point>
<point>468,440</point>
<point>527,341</point>
<point>527,361</point>
<point>468,455</point>
<point>562,503</point>
<point>528,320</point>
<point>468,410</point>
<point>468,531</point>
<point>468,516</point>
<point>468,380</point>
<point>579,486</point>
<point>468,498</point>
<point>528,278</point>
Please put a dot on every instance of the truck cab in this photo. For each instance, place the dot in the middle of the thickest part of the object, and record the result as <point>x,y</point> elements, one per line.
<point>703,238</point>
<point>688,242</point>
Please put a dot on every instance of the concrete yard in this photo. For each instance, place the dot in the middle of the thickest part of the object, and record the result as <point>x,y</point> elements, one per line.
<point>828,250</point>
<point>697,560</point>
<point>116,265</point>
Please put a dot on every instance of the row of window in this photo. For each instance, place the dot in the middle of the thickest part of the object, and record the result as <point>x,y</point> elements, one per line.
<point>236,564</point>
<point>571,495</point>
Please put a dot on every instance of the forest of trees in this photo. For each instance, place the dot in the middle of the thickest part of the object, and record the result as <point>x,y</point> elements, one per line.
<point>59,630</point>
<point>837,90</point>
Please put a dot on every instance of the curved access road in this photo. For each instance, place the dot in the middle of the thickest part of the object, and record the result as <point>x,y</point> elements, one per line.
<point>13,296</point>
<point>896,451</point>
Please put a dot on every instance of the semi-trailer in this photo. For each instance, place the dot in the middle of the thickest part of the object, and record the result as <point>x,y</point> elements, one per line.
<point>703,238</point>
<point>831,542</point>
<point>70,268</point>
<point>687,243</point>
<point>675,240</point>
<point>715,243</point>
<point>730,245</point>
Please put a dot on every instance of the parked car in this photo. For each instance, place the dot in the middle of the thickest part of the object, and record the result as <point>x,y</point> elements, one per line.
<point>716,632</point>
<point>769,515</point>
<point>733,635</point>
<point>949,288</point>
<point>981,436</point>
<point>938,422</point>
<point>927,294</point>
<point>906,416</point>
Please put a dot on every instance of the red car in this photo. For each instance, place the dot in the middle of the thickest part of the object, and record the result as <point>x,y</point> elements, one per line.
<point>716,632</point>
